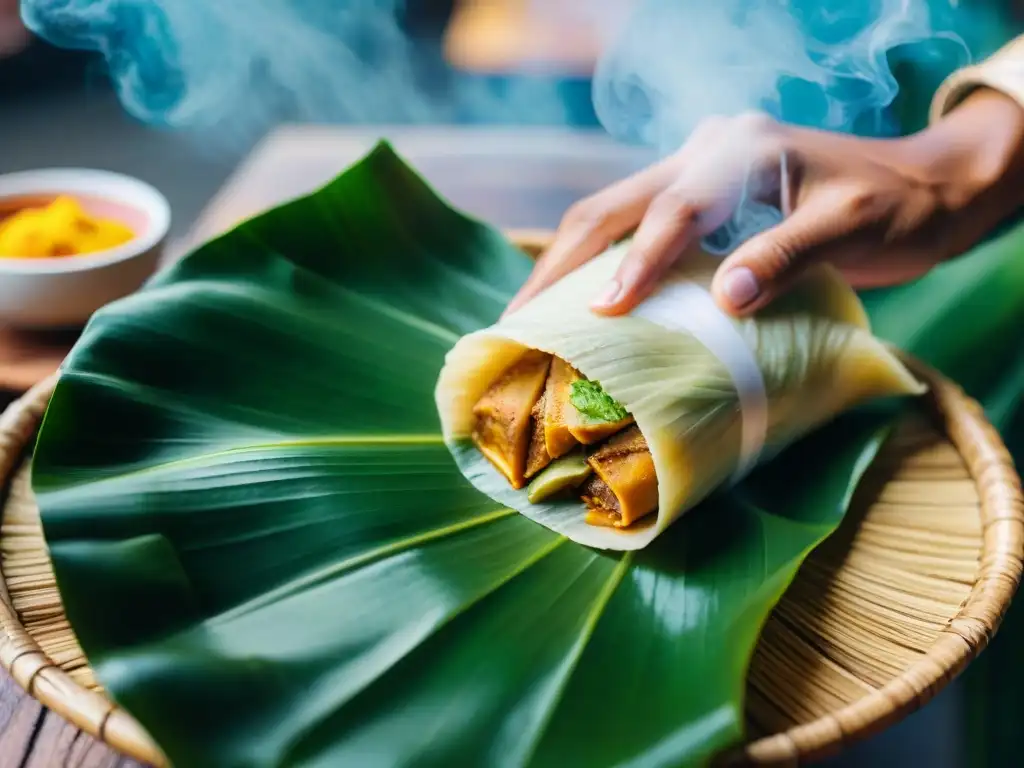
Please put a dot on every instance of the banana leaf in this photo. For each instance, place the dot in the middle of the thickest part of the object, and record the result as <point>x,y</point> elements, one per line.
<point>271,559</point>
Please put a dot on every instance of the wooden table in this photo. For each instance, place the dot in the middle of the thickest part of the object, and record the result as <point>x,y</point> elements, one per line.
<point>514,179</point>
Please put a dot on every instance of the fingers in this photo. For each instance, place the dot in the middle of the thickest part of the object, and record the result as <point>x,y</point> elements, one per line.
<point>720,167</point>
<point>763,267</point>
<point>671,223</point>
<point>592,225</point>
<point>670,205</point>
<point>574,245</point>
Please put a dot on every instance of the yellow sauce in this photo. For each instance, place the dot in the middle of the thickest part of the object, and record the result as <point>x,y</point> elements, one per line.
<point>61,228</point>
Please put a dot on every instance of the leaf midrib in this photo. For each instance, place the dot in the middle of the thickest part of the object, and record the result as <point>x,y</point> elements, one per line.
<point>327,572</point>
<point>299,442</point>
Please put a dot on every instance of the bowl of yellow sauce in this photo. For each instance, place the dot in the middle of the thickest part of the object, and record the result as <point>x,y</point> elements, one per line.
<point>74,240</point>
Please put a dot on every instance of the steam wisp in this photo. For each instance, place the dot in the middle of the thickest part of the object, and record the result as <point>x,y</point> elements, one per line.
<point>236,67</point>
<point>823,63</point>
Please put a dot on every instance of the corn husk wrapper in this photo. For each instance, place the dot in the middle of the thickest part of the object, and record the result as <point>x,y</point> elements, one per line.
<point>814,349</point>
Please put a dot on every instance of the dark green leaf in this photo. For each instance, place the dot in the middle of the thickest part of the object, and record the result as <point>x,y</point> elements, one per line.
<point>270,557</point>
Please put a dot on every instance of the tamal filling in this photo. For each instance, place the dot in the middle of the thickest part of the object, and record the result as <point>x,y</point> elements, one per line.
<point>544,423</point>
<point>504,416</point>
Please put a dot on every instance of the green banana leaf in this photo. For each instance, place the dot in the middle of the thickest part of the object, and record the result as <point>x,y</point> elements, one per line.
<point>270,558</point>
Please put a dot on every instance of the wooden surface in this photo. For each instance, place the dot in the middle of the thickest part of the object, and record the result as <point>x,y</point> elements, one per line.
<point>522,178</point>
<point>514,179</point>
<point>33,737</point>
<point>27,357</point>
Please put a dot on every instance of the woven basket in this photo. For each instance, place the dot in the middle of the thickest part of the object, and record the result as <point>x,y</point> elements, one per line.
<point>879,619</point>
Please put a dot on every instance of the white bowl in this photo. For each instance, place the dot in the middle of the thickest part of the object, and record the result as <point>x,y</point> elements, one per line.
<point>65,291</point>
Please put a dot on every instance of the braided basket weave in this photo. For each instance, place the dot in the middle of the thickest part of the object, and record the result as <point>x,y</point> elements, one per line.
<point>880,618</point>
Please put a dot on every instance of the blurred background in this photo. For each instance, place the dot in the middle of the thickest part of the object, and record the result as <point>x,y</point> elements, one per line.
<point>59,108</point>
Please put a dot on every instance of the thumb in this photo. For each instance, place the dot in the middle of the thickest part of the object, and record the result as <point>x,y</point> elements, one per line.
<point>764,266</point>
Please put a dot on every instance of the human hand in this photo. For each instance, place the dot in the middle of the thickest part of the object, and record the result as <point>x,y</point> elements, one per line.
<point>883,211</point>
<point>13,35</point>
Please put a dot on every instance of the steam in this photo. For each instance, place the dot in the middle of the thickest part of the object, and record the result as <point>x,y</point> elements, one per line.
<point>239,66</point>
<point>824,63</point>
<point>679,61</point>
<point>203,63</point>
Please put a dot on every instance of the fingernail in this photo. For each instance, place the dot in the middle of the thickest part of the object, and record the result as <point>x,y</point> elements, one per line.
<point>513,305</point>
<point>740,287</point>
<point>609,296</point>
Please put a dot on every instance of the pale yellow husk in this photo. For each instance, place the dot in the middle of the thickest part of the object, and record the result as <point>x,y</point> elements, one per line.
<point>814,349</point>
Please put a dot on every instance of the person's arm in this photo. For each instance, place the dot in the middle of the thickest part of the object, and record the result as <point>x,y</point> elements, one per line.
<point>980,109</point>
<point>883,210</point>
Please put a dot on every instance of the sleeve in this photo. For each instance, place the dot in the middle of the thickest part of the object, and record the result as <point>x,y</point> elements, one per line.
<point>1003,71</point>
